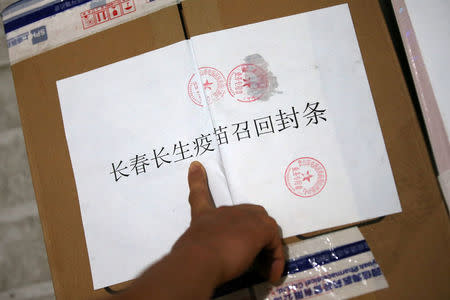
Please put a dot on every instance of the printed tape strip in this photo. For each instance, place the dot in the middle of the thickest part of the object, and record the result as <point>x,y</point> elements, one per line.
<point>338,265</point>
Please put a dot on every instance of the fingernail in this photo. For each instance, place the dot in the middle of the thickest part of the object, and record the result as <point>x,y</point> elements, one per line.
<point>195,167</point>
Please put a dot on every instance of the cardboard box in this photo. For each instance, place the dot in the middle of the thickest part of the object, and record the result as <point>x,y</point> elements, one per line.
<point>411,247</point>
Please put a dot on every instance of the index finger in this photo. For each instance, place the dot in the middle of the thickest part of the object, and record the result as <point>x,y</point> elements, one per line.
<point>199,194</point>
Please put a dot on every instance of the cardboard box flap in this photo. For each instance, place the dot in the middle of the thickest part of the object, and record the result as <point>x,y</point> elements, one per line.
<point>51,170</point>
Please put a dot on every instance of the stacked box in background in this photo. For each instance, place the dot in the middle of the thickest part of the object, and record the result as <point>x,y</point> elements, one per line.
<point>425,31</point>
<point>36,26</point>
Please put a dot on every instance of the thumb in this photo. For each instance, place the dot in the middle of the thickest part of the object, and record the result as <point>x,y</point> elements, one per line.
<point>199,195</point>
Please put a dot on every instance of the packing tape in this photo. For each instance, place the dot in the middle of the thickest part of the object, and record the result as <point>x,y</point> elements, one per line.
<point>336,265</point>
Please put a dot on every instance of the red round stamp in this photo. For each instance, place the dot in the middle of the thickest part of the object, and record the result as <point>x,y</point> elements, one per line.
<point>247,82</point>
<point>305,177</point>
<point>212,84</point>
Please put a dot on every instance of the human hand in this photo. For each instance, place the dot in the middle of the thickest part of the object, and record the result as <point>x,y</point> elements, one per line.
<point>221,244</point>
<point>229,238</point>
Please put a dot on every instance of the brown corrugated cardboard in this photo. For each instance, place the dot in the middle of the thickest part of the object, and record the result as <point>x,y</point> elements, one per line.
<point>407,245</point>
<point>56,195</point>
<point>411,247</point>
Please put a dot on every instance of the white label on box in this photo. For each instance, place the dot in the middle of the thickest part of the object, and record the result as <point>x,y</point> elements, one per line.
<point>33,30</point>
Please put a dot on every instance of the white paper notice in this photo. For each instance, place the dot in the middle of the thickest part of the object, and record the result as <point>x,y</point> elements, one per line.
<point>283,117</point>
<point>134,201</point>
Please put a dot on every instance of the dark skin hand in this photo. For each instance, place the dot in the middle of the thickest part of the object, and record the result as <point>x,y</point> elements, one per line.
<point>220,244</point>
